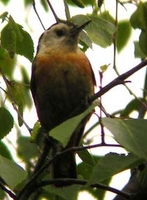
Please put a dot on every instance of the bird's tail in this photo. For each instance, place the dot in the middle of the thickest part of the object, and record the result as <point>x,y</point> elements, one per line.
<point>64,166</point>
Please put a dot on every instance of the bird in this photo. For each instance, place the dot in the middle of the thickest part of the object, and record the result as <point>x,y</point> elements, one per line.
<point>62,78</point>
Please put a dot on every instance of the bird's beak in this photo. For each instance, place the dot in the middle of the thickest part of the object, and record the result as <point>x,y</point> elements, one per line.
<point>77,29</point>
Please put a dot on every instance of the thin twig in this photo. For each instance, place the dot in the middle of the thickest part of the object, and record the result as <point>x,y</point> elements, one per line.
<point>100,121</point>
<point>9,192</point>
<point>51,7</point>
<point>114,38</point>
<point>34,7</point>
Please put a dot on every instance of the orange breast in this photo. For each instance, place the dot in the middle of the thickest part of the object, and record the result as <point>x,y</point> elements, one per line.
<point>62,83</point>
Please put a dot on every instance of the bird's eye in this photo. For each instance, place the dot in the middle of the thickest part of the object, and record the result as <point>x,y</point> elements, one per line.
<point>60,32</point>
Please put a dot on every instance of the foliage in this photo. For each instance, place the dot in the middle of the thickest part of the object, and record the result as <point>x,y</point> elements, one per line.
<point>95,172</point>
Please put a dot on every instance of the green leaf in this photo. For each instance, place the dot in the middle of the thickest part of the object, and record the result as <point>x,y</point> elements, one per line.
<point>35,133</point>
<point>110,165</point>
<point>4,151</point>
<point>16,40</point>
<point>68,127</point>
<point>67,12</point>
<point>28,3</point>
<point>86,157</point>
<point>10,35</point>
<point>5,2</point>
<point>85,171</point>
<point>26,150</point>
<point>7,63</point>
<point>2,194</point>
<point>4,16</point>
<point>107,17</point>
<point>131,133</point>
<point>143,41</point>
<point>81,3</point>
<point>25,47</point>
<point>99,30</point>
<point>11,173</point>
<point>26,87</point>
<point>16,28</point>
<point>68,192</point>
<point>138,18</point>
<point>44,4</point>
<point>6,121</point>
<point>16,90</point>
<point>104,68</point>
<point>123,34</point>
<point>8,39</point>
<point>85,168</point>
<point>133,105</point>
<point>138,52</point>
<point>85,41</point>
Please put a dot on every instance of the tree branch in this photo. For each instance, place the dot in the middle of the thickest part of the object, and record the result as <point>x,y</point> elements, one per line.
<point>84,183</point>
<point>9,192</point>
<point>119,80</point>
